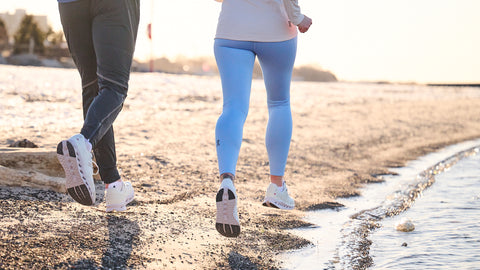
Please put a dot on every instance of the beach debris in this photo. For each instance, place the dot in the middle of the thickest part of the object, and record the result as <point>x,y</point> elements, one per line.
<point>31,167</point>
<point>405,225</point>
<point>24,143</point>
<point>324,205</point>
<point>30,178</point>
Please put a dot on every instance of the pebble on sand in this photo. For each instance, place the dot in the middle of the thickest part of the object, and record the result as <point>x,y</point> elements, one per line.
<point>405,225</point>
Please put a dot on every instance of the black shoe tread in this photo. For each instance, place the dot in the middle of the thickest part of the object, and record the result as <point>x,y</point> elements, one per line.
<point>80,194</point>
<point>71,150</point>
<point>228,230</point>
<point>219,195</point>
<point>231,196</point>
<point>60,148</point>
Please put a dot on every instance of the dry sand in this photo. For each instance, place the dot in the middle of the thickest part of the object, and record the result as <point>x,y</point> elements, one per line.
<point>345,135</point>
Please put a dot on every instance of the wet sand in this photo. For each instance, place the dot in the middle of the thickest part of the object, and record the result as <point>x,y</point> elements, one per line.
<point>345,135</point>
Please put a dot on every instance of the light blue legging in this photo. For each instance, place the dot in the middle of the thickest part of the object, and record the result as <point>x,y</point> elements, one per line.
<point>235,60</point>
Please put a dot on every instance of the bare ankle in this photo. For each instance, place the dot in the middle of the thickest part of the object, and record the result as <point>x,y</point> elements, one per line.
<point>226,175</point>
<point>277,180</point>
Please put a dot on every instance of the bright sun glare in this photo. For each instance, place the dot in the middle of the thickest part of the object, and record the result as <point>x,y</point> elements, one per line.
<point>374,40</point>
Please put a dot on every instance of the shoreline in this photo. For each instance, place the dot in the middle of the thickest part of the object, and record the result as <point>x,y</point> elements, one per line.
<point>457,184</point>
<point>345,136</point>
<point>32,60</point>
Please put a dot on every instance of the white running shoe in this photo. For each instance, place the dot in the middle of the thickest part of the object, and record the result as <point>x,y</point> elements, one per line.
<point>76,161</point>
<point>277,197</point>
<point>119,194</point>
<point>227,223</point>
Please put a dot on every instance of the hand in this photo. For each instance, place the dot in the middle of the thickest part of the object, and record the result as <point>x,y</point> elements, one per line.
<point>305,24</point>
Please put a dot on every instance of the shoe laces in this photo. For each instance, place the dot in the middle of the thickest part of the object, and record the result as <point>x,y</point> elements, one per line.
<point>94,165</point>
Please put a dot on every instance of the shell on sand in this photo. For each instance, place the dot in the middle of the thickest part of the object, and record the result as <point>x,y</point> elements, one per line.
<point>405,225</point>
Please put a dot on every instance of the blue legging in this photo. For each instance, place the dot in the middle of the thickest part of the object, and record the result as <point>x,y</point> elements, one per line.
<point>235,60</point>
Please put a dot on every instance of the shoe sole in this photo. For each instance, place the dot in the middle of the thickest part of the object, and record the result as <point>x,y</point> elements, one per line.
<point>77,187</point>
<point>226,224</point>
<point>271,202</point>
<point>119,207</point>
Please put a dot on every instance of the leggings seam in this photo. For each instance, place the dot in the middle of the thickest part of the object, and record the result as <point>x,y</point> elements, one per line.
<point>112,81</point>
<point>90,83</point>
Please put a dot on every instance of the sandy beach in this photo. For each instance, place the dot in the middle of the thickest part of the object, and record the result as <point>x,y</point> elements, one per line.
<point>345,135</point>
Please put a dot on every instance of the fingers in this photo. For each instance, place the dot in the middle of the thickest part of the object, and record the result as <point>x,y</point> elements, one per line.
<point>303,29</point>
<point>305,24</point>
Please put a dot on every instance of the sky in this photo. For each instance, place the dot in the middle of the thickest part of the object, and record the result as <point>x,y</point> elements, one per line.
<point>424,41</point>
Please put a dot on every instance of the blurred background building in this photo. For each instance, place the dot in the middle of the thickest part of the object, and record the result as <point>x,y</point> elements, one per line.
<point>12,22</point>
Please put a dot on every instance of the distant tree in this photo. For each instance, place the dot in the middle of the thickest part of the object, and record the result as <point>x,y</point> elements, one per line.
<point>54,38</point>
<point>315,74</point>
<point>28,30</point>
<point>3,35</point>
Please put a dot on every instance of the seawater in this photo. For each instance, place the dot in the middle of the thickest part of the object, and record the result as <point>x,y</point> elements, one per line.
<point>362,233</point>
<point>447,225</point>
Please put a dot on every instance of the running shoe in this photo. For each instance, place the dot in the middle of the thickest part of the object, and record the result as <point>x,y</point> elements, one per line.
<point>277,197</point>
<point>227,223</point>
<point>76,161</point>
<point>118,195</point>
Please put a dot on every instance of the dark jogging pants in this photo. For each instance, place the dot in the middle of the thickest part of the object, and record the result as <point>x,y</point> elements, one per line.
<point>101,37</point>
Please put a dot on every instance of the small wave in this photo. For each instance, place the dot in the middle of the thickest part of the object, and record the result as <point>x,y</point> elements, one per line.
<point>353,252</point>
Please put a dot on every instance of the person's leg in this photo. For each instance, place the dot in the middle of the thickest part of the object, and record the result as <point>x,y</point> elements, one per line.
<point>114,31</point>
<point>235,64</point>
<point>276,60</point>
<point>77,25</point>
<point>73,153</point>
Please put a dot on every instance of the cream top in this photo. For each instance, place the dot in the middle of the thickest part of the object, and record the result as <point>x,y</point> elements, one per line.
<point>259,20</point>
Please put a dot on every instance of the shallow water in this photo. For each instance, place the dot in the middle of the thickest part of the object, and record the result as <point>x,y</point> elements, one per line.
<point>447,228</point>
<point>340,241</point>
